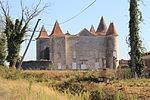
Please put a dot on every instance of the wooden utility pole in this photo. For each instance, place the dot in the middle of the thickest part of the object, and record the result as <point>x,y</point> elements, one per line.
<point>28,44</point>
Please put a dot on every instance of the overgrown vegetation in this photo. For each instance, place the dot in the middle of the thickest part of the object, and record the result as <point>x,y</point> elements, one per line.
<point>15,30</point>
<point>136,63</point>
<point>3,50</point>
<point>83,85</point>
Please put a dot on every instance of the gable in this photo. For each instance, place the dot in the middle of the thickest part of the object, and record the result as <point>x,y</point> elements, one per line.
<point>85,32</point>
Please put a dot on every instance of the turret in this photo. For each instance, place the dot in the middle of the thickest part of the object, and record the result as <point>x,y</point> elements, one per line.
<point>57,46</point>
<point>112,47</point>
<point>102,27</point>
<point>43,34</point>
<point>92,30</point>
<point>57,30</point>
<point>42,45</point>
<point>112,30</point>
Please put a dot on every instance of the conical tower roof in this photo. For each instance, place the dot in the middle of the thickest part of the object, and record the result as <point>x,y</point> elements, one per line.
<point>57,30</point>
<point>92,30</point>
<point>112,30</point>
<point>102,26</point>
<point>43,33</point>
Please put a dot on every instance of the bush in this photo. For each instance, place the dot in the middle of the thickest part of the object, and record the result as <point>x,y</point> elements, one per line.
<point>9,73</point>
<point>105,94</point>
<point>73,88</point>
<point>51,66</point>
<point>123,73</point>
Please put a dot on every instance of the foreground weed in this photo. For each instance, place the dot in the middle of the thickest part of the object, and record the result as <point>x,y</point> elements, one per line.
<point>30,86</point>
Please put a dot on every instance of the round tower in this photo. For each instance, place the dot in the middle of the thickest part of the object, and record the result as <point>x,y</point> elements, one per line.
<point>42,45</point>
<point>112,47</point>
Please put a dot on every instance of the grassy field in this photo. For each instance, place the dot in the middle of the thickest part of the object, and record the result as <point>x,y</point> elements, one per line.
<point>70,85</point>
<point>24,90</point>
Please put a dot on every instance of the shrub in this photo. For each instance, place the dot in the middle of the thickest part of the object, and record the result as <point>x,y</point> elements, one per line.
<point>73,88</point>
<point>123,73</point>
<point>9,73</point>
<point>105,94</point>
<point>51,66</point>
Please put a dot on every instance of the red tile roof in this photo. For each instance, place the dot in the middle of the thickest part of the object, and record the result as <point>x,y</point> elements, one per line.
<point>112,30</point>
<point>57,30</point>
<point>102,26</point>
<point>92,30</point>
<point>43,33</point>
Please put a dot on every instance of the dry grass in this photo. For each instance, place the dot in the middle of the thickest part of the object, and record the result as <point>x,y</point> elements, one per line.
<point>139,89</point>
<point>42,90</point>
<point>19,90</point>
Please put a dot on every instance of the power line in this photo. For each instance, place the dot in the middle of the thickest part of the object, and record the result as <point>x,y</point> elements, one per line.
<point>78,13</point>
<point>73,17</point>
<point>69,18</point>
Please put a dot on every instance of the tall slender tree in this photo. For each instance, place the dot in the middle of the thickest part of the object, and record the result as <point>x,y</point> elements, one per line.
<point>136,63</point>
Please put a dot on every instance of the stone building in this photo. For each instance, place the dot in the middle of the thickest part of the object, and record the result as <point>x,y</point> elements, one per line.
<point>123,63</point>
<point>146,58</point>
<point>85,50</point>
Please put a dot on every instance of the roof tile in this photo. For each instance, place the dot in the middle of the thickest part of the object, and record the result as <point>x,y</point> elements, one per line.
<point>92,30</point>
<point>57,30</point>
<point>43,33</point>
<point>102,26</point>
<point>112,30</point>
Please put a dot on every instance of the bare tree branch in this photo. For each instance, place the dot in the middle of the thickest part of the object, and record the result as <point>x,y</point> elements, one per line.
<point>27,13</point>
<point>4,9</point>
<point>22,9</point>
<point>30,14</point>
<point>16,29</point>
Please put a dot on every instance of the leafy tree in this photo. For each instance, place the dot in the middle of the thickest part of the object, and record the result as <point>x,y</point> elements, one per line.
<point>15,30</point>
<point>15,33</point>
<point>136,62</point>
<point>3,51</point>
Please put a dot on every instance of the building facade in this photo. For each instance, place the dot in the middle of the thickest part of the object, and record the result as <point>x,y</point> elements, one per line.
<point>146,58</point>
<point>85,50</point>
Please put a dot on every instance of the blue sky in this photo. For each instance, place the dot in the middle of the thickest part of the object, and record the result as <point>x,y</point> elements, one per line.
<point>113,11</point>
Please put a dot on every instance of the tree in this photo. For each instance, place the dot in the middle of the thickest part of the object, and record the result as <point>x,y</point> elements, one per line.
<point>16,30</point>
<point>3,50</point>
<point>136,62</point>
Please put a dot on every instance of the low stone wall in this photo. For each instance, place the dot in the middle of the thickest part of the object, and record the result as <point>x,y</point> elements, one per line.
<point>36,65</point>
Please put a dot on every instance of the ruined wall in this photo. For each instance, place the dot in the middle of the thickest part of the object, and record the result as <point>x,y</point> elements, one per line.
<point>35,65</point>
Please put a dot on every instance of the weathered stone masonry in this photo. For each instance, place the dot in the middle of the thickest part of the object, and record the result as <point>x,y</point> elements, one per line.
<point>85,50</point>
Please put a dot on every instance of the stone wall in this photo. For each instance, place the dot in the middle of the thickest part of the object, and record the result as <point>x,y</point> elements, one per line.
<point>112,52</point>
<point>87,50</point>
<point>35,65</point>
<point>42,49</point>
<point>79,51</point>
<point>146,59</point>
<point>58,54</point>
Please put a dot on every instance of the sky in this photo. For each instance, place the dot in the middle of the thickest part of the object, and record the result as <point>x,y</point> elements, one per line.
<point>116,11</point>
